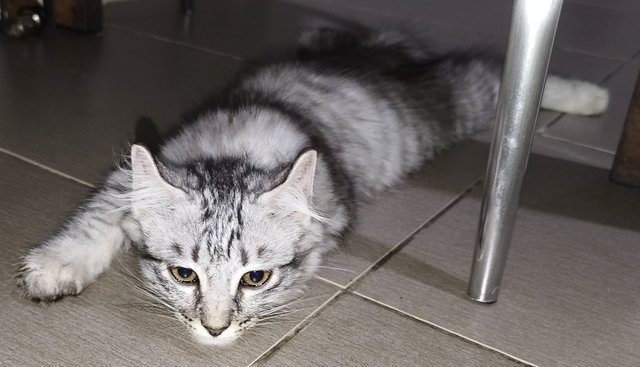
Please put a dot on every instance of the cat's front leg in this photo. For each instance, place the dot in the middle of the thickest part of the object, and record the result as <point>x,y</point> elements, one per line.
<point>69,261</point>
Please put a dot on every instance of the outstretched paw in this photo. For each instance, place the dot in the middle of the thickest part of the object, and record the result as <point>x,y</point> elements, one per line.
<point>43,276</point>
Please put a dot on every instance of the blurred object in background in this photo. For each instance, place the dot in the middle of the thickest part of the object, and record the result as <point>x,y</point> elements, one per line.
<point>22,17</point>
<point>78,15</point>
<point>19,18</point>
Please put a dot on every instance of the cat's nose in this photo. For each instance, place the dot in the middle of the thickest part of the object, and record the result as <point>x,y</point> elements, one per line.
<point>215,331</point>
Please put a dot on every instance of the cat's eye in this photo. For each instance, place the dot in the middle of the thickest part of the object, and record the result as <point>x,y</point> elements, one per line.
<point>255,278</point>
<point>183,275</point>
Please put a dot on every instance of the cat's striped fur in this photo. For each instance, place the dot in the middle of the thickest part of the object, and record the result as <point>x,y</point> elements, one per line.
<point>268,179</point>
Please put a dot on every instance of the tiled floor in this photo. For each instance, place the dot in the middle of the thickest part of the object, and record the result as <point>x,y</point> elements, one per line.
<point>394,294</point>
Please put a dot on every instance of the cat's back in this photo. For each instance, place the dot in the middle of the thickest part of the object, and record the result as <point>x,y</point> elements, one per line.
<point>278,110</point>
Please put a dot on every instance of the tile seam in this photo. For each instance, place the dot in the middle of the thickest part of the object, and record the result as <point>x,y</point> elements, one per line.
<point>400,245</point>
<point>46,168</point>
<point>344,289</point>
<point>577,144</point>
<point>275,347</point>
<point>170,41</point>
<point>445,330</point>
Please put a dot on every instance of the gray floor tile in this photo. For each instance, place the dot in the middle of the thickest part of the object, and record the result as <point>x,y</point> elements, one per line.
<point>570,295</point>
<point>487,16</point>
<point>247,31</point>
<point>602,132</point>
<point>354,332</point>
<point>438,36</point>
<point>550,147</point>
<point>103,326</point>
<point>598,31</point>
<point>243,28</point>
<point>593,30</point>
<point>631,6</point>
<point>388,218</point>
<point>72,102</point>
<point>570,152</point>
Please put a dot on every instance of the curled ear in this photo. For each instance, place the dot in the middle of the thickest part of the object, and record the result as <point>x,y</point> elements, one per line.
<point>148,185</point>
<point>296,192</point>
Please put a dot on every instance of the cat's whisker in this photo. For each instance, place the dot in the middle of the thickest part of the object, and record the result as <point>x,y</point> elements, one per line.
<point>302,300</point>
<point>285,307</point>
<point>155,311</point>
<point>151,300</point>
<point>288,312</point>
<point>153,297</point>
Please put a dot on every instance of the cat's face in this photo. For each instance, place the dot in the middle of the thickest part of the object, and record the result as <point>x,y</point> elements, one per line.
<point>220,253</point>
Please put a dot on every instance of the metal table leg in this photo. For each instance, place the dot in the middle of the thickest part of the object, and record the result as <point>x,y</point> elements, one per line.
<point>533,27</point>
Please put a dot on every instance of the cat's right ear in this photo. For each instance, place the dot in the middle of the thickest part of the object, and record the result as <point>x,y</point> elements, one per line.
<point>148,185</point>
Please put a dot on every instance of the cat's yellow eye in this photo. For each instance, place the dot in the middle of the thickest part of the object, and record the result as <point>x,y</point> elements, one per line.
<point>183,275</point>
<point>255,278</point>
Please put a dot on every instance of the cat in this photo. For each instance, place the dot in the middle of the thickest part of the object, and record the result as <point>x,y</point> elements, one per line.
<point>238,209</point>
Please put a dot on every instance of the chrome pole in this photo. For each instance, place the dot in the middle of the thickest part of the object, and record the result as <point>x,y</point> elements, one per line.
<point>533,28</point>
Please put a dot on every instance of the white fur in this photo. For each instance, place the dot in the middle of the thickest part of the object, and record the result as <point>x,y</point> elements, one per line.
<point>66,264</point>
<point>574,96</point>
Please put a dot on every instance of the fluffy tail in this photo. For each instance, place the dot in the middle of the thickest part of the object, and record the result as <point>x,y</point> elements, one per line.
<point>574,96</point>
<point>563,95</point>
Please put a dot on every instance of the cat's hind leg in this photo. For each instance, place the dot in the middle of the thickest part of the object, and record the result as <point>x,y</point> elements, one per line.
<point>66,263</point>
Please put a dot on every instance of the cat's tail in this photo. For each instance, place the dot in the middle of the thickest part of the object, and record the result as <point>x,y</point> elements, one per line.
<point>560,94</point>
<point>473,84</point>
<point>330,41</point>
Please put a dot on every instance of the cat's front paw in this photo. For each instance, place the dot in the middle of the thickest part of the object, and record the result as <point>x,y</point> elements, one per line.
<point>45,276</point>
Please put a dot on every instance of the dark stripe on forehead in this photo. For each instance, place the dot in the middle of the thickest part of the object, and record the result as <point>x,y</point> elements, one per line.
<point>177,249</point>
<point>230,243</point>
<point>207,213</point>
<point>216,251</point>
<point>195,253</point>
<point>244,257</point>
<point>239,210</point>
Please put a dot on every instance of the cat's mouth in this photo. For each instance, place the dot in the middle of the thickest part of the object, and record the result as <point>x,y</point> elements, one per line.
<point>218,338</point>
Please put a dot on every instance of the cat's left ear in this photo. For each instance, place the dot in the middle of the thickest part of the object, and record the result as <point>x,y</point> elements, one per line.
<point>148,184</point>
<point>299,182</point>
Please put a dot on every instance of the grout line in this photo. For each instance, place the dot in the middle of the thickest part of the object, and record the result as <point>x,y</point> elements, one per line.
<point>411,235</point>
<point>178,43</point>
<point>46,168</point>
<point>346,289</point>
<point>445,330</point>
<point>592,54</point>
<point>295,330</point>
<point>330,282</point>
<point>604,7</point>
<point>581,145</point>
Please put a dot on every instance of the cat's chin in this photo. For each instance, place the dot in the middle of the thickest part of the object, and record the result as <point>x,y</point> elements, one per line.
<point>216,341</point>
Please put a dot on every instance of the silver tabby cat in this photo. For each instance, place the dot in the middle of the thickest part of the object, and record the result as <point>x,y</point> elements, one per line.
<point>237,210</point>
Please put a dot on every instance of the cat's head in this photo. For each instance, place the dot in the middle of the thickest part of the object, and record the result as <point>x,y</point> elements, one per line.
<point>224,245</point>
